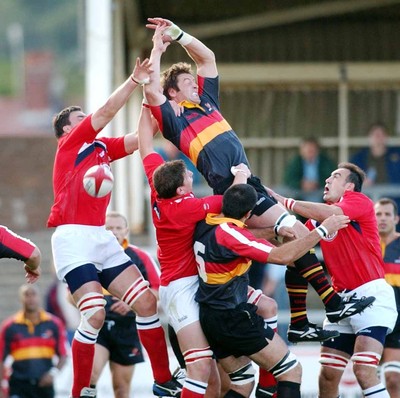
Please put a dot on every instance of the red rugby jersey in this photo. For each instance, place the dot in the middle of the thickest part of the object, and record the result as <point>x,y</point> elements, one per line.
<point>353,254</point>
<point>76,153</point>
<point>175,220</point>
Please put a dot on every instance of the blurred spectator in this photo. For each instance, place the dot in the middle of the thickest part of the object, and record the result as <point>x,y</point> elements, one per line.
<point>380,162</point>
<point>34,339</point>
<point>58,303</point>
<point>118,343</point>
<point>306,172</point>
<point>170,152</point>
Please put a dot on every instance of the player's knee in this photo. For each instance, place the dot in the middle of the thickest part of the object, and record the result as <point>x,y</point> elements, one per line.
<point>287,364</point>
<point>140,298</point>
<point>365,364</point>
<point>198,363</point>
<point>91,307</point>
<point>243,377</point>
<point>392,380</point>
<point>146,304</point>
<point>267,307</point>
<point>293,374</point>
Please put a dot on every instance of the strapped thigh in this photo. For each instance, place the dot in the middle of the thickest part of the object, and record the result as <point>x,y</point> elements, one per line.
<point>253,295</point>
<point>135,290</point>
<point>197,354</point>
<point>366,358</point>
<point>244,375</point>
<point>391,366</point>
<point>88,305</point>
<point>288,362</point>
<point>334,361</point>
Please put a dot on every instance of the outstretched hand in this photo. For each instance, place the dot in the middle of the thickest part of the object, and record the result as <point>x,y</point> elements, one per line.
<point>159,41</point>
<point>142,70</point>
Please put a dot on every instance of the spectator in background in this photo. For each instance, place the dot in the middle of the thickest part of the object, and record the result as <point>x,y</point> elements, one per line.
<point>118,341</point>
<point>380,162</point>
<point>33,338</point>
<point>19,248</point>
<point>386,212</point>
<point>306,172</point>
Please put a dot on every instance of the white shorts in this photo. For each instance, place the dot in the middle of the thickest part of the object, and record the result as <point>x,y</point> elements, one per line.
<point>383,311</point>
<point>178,303</point>
<point>75,245</point>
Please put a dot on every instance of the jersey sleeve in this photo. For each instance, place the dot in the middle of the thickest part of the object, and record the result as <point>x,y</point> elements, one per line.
<point>14,246</point>
<point>150,163</point>
<point>61,346</point>
<point>212,204</point>
<point>243,243</point>
<point>169,124</point>
<point>209,90</point>
<point>115,147</point>
<point>5,339</point>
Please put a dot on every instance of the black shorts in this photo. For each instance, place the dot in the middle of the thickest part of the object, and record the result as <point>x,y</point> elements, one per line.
<point>236,332</point>
<point>393,339</point>
<point>29,388</point>
<point>265,201</point>
<point>122,341</point>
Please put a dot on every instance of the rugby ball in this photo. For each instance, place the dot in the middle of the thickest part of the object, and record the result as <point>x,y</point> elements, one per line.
<point>98,181</point>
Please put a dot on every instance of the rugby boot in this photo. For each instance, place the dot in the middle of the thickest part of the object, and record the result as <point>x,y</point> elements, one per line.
<point>265,392</point>
<point>348,307</point>
<point>171,388</point>
<point>310,333</point>
<point>88,392</point>
<point>179,375</point>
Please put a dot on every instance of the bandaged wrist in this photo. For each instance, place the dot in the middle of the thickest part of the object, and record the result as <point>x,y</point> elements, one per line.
<point>289,203</point>
<point>322,231</point>
<point>235,170</point>
<point>140,82</point>
<point>184,39</point>
<point>285,220</point>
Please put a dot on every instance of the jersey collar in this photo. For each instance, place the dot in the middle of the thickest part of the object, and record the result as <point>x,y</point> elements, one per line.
<point>190,105</point>
<point>215,219</point>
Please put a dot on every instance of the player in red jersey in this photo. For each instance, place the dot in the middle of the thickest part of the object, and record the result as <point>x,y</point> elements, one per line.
<point>354,261</point>
<point>386,212</point>
<point>88,256</point>
<point>19,248</point>
<point>202,134</point>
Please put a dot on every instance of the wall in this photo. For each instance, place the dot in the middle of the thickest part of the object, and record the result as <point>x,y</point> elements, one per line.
<point>25,179</point>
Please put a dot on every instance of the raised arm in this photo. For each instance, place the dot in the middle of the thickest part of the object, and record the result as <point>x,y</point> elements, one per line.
<point>139,76</point>
<point>198,51</point>
<point>147,128</point>
<point>316,211</point>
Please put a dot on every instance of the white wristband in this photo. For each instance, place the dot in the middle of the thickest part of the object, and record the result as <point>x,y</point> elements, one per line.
<point>235,170</point>
<point>322,231</point>
<point>289,203</point>
<point>184,39</point>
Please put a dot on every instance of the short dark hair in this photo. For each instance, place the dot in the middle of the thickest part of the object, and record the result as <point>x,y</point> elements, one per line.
<point>388,201</point>
<point>169,78</point>
<point>356,176</point>
<point>62,119</point>
<point>168,177</point>
<point>238,200</point>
